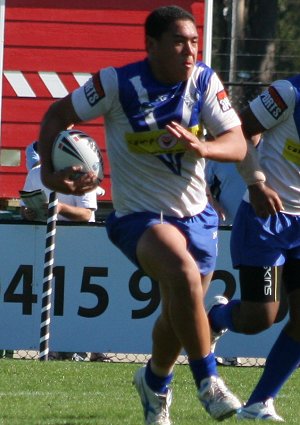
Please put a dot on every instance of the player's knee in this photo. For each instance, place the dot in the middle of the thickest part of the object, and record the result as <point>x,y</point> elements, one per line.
<point>256,320</point>
<point>257,326</point>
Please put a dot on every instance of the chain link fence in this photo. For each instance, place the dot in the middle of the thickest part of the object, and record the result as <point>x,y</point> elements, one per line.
<point>240,93</point>
<point>133,358</point>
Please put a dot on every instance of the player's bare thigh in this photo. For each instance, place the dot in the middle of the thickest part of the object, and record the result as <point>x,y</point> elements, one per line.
<point>162,253</point>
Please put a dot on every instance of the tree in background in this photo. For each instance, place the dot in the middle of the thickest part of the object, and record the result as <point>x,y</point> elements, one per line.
<point>258,47</point>
<point>266,44</point>
<point>287,57</point>
<point>255,42</point>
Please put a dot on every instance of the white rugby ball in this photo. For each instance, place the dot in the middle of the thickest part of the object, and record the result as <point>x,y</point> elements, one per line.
<point>74,147</point>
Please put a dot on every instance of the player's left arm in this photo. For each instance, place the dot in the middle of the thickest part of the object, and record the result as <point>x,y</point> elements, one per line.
<point>222,123</point>
<point>263,198</point>
<point>250,124</point>
<point>229,146</point>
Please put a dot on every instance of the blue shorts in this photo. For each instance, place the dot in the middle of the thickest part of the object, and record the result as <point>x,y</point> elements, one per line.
<point>200,232</point>
<point>263,242</point>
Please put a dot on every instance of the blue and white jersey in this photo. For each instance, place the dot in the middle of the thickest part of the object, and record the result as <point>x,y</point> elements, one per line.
<point>278,110</point>
<point>150,169</point>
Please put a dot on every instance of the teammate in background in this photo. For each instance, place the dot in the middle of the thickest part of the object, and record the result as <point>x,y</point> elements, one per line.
<point>226,188</point>
<point>70,208</point>
<point>266,240</point>
<point>153,111</point>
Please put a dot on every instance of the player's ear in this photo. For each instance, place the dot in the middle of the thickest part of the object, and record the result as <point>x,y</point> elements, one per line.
<point>150,44</point>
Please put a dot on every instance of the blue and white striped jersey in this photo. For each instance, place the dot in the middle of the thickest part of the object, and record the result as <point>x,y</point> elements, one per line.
<point>278,110</point>
<point>150,169</point>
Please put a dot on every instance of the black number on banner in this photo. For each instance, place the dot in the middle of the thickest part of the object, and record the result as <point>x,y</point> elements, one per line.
<point>97,290</point>
<point>228,279</point>
<point>152,295</point>
<point>59,292</point>
<point>26,297</point>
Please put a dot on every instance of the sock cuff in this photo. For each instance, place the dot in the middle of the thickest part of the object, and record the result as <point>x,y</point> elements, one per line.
<point>203,368</point>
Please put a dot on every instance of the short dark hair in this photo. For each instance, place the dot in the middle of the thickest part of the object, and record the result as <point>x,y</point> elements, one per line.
<point>161,18</point>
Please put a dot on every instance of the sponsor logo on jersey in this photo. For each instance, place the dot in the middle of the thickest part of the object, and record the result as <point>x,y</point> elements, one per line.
<point>166,141</point>
<point>291,151</point>
<point>157,141</point>
<point>273,102</point>
<point>93,90</point>
<point>224,101</point>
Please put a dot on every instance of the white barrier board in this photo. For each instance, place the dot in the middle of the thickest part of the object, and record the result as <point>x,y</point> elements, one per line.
<point>100,301</point>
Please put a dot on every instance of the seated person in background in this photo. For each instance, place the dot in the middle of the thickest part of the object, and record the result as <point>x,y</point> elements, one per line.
<point>70,208</point>
<point>32,156</point>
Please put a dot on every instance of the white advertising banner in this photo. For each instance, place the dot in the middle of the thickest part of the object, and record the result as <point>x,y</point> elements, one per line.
<point>100,301</point>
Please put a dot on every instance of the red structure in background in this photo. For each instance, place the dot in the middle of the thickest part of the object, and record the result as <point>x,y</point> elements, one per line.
<point>50,48</point>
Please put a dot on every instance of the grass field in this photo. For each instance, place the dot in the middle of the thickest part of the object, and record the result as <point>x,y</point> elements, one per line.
<point>83,393</point>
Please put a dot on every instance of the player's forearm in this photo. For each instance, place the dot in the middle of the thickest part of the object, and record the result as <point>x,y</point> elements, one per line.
<point>228,147</point>
<point>74,213</point>
<point>59,117</point>
<point>250,168</point>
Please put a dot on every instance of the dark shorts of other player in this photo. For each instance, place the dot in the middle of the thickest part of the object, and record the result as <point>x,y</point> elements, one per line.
<point>267,253</point>
<point>200,232</point>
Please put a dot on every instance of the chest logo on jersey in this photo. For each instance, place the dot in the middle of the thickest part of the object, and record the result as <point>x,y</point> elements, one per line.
<point>273,102</point>
<point>157,141</point>
<point>291,151</point>
<point>224,101</point>
<point>93,90</point>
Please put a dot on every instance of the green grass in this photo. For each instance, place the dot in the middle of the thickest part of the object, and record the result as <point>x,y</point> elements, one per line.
<point>74,393</point>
